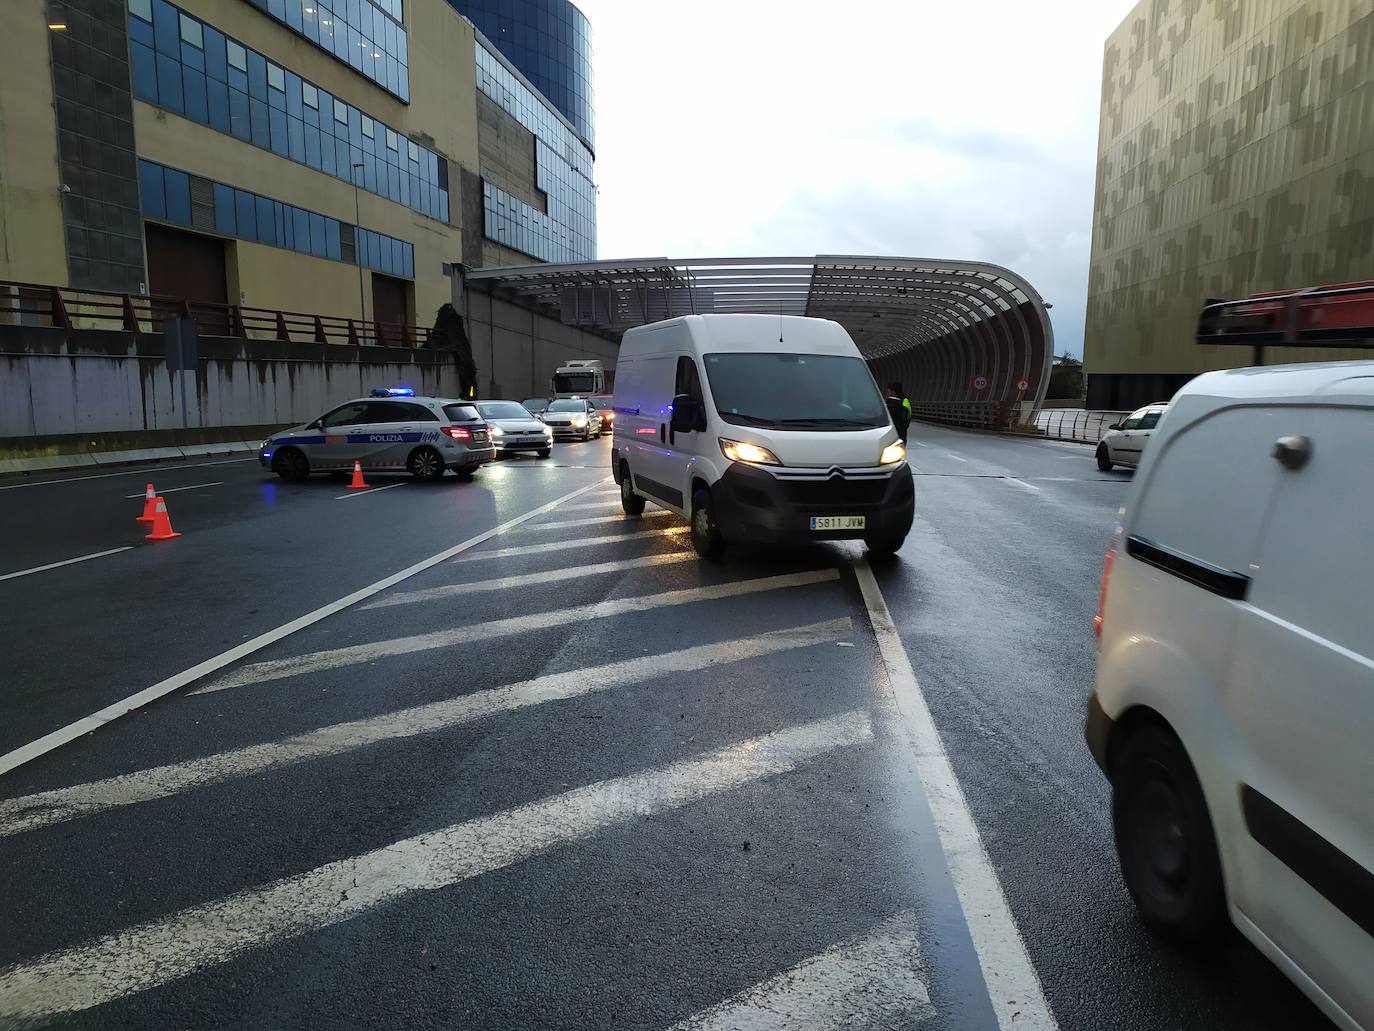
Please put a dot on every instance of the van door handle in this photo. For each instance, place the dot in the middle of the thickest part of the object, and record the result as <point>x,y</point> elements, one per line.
<point>663,433</point>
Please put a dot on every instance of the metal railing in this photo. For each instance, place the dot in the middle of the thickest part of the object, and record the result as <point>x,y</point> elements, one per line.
<point>978,415</point>
<point>67,308</point>
<point>1078,424</point>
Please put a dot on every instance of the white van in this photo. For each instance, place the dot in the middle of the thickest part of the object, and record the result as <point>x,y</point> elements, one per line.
<point>1234,706</point>
<point>758,428</point>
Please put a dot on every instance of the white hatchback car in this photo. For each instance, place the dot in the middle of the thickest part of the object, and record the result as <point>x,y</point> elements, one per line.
<point>1124,442</point>
<point>1234,706</point>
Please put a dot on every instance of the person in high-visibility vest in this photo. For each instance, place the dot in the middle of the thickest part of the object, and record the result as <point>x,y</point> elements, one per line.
<point>899,407</point>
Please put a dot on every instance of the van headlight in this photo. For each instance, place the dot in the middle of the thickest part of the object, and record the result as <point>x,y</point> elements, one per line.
<point>892,454</point>
<point>740,451</point>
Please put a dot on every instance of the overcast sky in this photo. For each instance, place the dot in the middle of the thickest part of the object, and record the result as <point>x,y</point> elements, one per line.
<point>921,128</point>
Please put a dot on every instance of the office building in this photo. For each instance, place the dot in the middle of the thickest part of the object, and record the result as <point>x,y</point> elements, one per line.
<point>322,156</point>
<point>1235,155</point>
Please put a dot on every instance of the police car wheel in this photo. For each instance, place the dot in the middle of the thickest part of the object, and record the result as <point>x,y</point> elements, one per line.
<point>290,464</point>
<point>425,464</point>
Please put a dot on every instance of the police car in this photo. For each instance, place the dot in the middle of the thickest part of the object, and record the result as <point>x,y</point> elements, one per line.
<point>390,430</point>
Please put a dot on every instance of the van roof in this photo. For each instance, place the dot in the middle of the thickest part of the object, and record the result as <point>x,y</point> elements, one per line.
<point>1327,381</point>
<point>788,332</point>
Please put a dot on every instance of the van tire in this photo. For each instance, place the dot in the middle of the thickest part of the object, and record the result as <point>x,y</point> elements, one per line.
<point>291,465</point>
<point>630,502</point>
<point>1104,458</point>
<point>1164,839</point>
<point>706,536</point>
<point>425,464</point>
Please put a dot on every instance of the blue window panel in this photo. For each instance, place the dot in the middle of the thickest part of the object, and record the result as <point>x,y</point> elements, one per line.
<point>295,139</point>
<point>238,78</point>
<point>150,189</point>
<point>215,65</point>
<point>343,162</point>
<point>193,83</point>
<point>277,9</point>
<point>267,220</point>
<point>317,235</point>
<point>397,261</point>
<point>245,214</point>
<point>404,189</point>
<point>331,239</point>
<point>286,232</point>
<point>217,97</point>
<point>312,24</point>
<point>192,56</point>
<point>281,217</point>
<point>277,99</point>
<point>293,94</point>
<point>167,28</point>
<point>393,182</point>
<point>257,76</point>
<point>360,246</point>
<point>301,224</point>
<point>144,67</point>
<point>327,164</point>
<point>277,121</point>
<point>293,14</point>
<point>443,205</point>
<point>169,83</point>
<point>355,128</point>
<point>178,196</point>
<point>369,173</point>
<point>312,146</point>
<point>239,123</point>
<point>224,210</point>
<point>408,252</point>
<point>354,48</point>
<point>262,133</point>
<point>142,32</point>
<point>311,115</point>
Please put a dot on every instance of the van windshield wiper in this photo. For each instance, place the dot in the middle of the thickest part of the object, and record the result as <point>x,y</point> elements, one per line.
<point>827,422</point>
<point>752,419</point>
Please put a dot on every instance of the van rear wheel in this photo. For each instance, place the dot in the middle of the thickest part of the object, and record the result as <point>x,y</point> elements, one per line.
<point>630,502</point>
<point>1164,839</point>
<point>706,536</point>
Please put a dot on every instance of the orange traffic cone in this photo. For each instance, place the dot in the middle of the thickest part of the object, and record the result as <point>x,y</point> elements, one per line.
<point>149,503</point>
<point>162,526</point>
<point>358,481</point>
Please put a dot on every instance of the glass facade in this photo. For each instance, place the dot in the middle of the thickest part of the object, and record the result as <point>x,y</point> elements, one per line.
<point>367,35</point>
<point>172,195</point>
<point>184,65</point>
<point>563,163</point>
<point>550,41</point>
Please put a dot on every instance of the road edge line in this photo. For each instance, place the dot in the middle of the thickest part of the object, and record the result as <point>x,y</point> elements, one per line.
<point>57,738</point>
<point>1012,983</point>
<point>65,562</point>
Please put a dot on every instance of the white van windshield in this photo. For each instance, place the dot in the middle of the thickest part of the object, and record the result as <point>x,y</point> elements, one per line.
<point>795,391</point>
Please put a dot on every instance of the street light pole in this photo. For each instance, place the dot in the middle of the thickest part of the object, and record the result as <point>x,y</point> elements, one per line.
<point>357,224</point>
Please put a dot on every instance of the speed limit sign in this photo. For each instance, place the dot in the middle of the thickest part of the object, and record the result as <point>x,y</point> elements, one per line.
<point>980,382</point>
<point>1023,384</point>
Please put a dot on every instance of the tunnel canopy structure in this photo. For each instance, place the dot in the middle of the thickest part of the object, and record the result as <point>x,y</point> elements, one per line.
<point>950,331</point>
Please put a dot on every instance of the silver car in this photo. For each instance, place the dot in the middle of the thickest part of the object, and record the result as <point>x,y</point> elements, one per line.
<point>1124,442</point>
<point>389,431</point>
<point>514,429</point>
<point>573,418</point>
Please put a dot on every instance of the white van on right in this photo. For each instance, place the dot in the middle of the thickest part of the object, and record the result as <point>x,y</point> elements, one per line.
<point>1233,710</point>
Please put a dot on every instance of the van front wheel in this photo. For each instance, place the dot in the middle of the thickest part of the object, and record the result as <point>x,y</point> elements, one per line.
<point>1104,459</point>
<point>1164,838</point>
<point>706,536</point>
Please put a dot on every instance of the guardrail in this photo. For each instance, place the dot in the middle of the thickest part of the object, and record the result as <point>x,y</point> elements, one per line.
<point>1077,424</point>
<point>35,304</point>
<point>978,415</point>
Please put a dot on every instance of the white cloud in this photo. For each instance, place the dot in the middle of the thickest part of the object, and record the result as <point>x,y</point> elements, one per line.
<point>918,128</point>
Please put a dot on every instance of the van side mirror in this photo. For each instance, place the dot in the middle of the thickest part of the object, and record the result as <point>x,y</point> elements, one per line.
<point>687,414</point>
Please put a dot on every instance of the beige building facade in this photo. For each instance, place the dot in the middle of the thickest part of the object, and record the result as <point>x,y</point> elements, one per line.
<point>1235,155</point>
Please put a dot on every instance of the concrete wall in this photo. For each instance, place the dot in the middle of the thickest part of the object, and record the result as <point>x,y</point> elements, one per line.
<point>517,350</point>
<point>104,383</point>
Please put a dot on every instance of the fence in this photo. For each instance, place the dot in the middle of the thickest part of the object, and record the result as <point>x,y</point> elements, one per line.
<point>978,415</point>
<point>32,304</point>
<point>1076,423</point>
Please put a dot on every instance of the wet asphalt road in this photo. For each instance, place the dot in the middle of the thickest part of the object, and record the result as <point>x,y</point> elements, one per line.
<point>585,780</point>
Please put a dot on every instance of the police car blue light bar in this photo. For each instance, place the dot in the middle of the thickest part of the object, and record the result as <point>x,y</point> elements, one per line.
<point>393,392</point>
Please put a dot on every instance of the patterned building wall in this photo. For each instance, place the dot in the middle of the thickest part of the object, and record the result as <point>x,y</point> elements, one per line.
<point>1235,154</point>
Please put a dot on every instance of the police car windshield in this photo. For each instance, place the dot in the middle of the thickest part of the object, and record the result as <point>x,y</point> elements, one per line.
<point>461,413</point>
<point>795,391</point>
<point>502,410</point>
<point>568,405</point>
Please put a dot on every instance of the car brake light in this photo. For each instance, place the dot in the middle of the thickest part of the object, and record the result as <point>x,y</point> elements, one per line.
<point>1102,590</point>
<point>456,432</point>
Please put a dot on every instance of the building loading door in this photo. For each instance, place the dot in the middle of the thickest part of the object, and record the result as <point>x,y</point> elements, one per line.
<point>390,305</point>
<point>188,266</point>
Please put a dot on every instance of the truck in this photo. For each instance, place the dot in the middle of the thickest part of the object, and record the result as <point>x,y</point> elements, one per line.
<point>581,378</point>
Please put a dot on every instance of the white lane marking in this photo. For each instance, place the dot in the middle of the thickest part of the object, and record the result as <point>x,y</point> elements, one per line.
<point>65,562</point>
<point>1021,483</point>
<point>369,490</point>
<point>579,542</point>
<point>1012,983</point>
<point>173,490</point>
<point>872,980</point>
<point>599,506</point>
<point>917,443</point>
<point>160,951</point>
<point>951,454</point>
<point>46,808</point>
<point>531,579</point>
<point>99,718</point>
<point>141,470</point>
<point>618,517</point>
<point>349,655</point>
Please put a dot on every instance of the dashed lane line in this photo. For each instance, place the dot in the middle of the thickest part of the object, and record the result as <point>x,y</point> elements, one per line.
<point>1013,986</point>
<point>370,490</point>
<point>547,576</point>
<point>1021,483</point>
<point>46,808</point>
<point>617,517</point>
<point>155,953</point>
<point>350,655</point>
<point>951,454</point>
<point>173,490</point>
<point>580,543</point>
<point>873,980</point>
<point>97,719</point>
<point>64,562</point>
